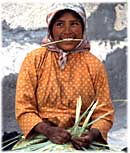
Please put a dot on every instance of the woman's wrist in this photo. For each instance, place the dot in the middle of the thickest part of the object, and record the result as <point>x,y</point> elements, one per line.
<point>42,128</point>
<point>95,133</point>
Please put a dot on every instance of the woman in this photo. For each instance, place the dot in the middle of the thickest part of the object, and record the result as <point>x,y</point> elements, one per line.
<point>54,76</point>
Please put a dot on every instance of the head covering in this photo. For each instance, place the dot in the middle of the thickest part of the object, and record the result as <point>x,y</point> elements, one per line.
<point>83,45</point>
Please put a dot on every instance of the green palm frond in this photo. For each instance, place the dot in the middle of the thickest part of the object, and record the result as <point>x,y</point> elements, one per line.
<point>120,100</point>
<point>100,117</point>
<point>84,114</point>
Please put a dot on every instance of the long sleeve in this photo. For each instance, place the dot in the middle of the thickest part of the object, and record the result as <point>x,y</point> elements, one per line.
<point>104,103</point>
<point>26,103</point>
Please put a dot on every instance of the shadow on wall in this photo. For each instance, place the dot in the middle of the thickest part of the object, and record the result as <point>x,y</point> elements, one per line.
<point>116,65</point>
<point>21,35</point>
<point>101,24</point>
<point>8,103</point>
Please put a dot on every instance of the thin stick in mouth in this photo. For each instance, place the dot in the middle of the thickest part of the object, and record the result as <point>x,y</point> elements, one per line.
<point>59,41</point>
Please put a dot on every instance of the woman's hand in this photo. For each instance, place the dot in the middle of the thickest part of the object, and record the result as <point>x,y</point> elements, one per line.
<point>86,139</point>
<point>54,134</point>
<point>58,135</point>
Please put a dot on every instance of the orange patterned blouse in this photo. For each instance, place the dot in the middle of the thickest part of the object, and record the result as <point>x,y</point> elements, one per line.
<point>45,92</point>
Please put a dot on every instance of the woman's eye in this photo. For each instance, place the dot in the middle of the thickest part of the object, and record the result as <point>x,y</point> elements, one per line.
<point>59,24</point>
<point>75,23</point>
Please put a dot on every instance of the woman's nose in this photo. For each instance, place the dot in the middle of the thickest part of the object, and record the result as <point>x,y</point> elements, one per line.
<point>67,29</point>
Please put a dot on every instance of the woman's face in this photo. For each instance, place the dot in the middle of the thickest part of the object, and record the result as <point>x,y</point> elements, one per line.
<point>67,26</point>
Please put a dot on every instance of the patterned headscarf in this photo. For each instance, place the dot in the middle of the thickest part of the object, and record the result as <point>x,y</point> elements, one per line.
<point>84,43</point>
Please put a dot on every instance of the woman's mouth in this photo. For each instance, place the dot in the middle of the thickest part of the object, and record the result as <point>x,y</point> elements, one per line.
<point>69,39</point>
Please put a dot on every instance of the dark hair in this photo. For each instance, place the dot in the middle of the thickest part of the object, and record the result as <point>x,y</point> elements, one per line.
<point>60,13</point>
